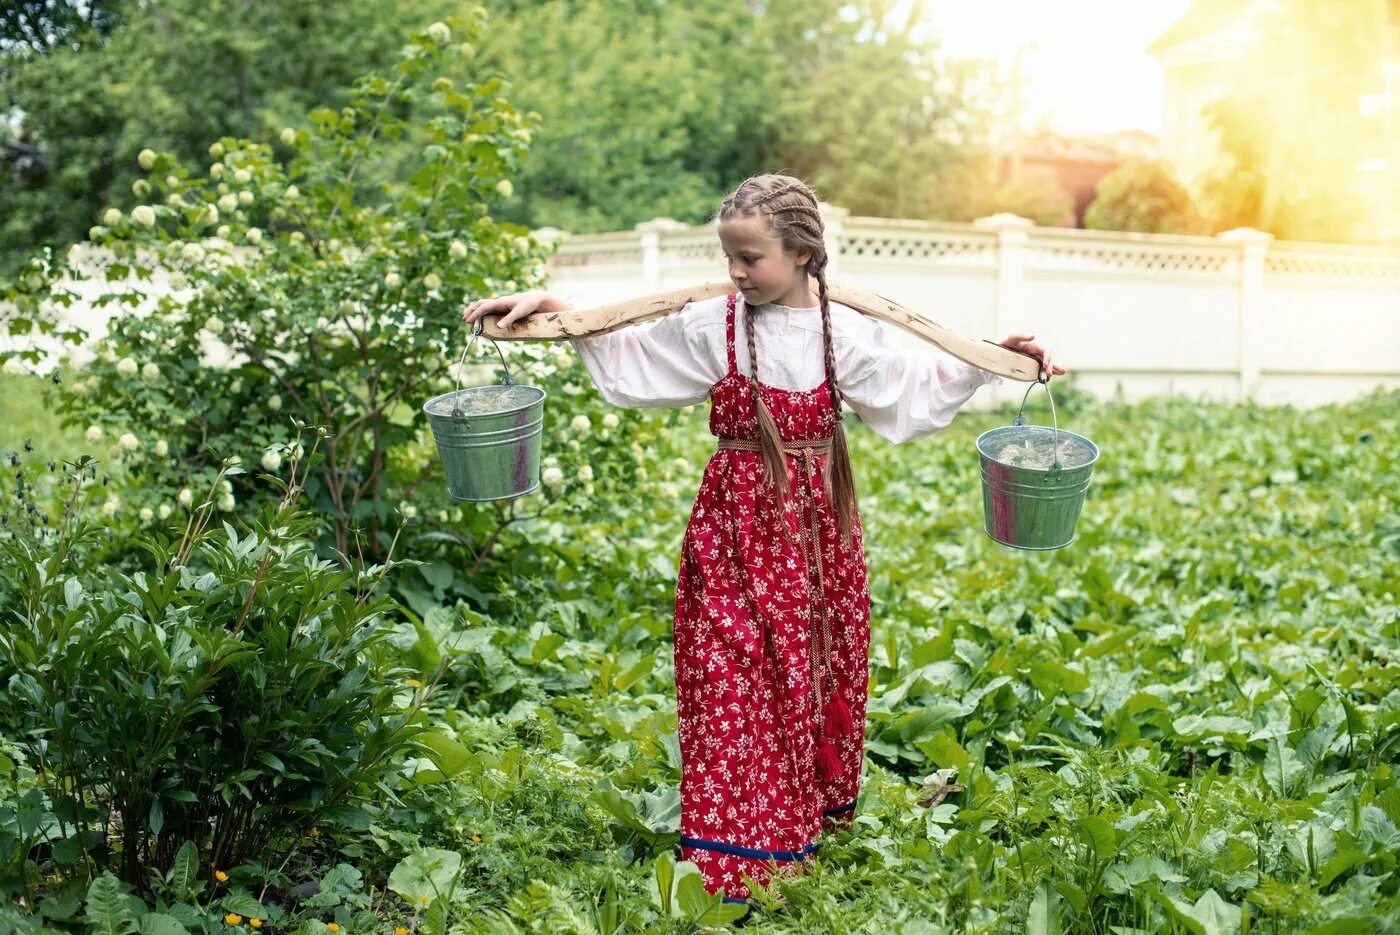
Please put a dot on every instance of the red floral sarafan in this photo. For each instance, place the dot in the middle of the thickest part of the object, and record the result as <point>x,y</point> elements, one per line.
<point>748,617</point>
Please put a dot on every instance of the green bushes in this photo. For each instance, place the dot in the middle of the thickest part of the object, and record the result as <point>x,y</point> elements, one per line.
<point>236,693</point>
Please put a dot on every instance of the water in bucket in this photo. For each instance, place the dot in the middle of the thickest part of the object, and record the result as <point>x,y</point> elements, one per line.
<point>1034,478</point>
<point>488,437</point>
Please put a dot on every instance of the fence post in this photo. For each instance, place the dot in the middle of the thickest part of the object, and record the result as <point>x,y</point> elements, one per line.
<point>1013,233</point>
<point>833,228</point>
<point>1253,244</point>
<point>651,232</point>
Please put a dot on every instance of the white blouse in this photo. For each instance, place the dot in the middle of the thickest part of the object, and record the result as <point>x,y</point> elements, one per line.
<point>901,386</point>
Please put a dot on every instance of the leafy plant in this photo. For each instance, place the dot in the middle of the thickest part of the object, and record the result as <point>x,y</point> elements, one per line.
<point>233,696</point>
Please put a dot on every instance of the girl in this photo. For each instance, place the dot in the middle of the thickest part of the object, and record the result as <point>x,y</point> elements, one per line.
<point>772,612</point>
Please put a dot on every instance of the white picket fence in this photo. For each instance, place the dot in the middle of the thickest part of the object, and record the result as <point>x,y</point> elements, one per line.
<point>1222,318</point>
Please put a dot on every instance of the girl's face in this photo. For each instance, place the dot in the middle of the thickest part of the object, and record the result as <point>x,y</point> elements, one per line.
<point>760,267</point>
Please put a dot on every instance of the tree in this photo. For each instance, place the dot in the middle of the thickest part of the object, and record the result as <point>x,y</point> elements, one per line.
<point>37,26</point>
<point>1142,195</point>
<point>871,114</point>
<point>174,76</point>
<point>659,108</point>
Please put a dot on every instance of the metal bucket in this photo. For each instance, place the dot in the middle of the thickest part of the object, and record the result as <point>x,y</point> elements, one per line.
<point>1034,478</point>
<point>488,437</point>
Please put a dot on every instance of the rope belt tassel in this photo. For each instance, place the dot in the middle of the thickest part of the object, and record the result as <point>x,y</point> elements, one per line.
<point>832,715</point>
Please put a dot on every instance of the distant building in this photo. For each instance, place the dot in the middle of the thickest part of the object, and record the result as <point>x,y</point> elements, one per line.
<point>1198,54</point>
<point>1076,164</point>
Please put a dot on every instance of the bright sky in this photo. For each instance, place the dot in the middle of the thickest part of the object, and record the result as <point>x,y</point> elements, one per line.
<point>1084,59</point>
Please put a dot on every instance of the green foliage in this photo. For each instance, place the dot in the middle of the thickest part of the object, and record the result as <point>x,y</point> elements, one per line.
<point>658,109</point>
<point>1187,720</point>
<point>171,76</point>
<point>1035,193</point>
<point>649,109</point>
<point>236,694</point>
<point>1142,195</point>
<point>323,300</point>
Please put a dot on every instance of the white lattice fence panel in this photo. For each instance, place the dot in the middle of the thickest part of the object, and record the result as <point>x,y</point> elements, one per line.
<point>1058,254</point>
<point>914,247</point>
<point>599,250</point>
<point>1375,268</point>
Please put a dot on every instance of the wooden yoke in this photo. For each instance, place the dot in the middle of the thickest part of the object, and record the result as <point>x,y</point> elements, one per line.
<point>577,323</point>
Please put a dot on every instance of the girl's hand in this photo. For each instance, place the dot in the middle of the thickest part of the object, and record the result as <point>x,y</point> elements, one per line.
<point>1024,344</point>
<point>516,306</point>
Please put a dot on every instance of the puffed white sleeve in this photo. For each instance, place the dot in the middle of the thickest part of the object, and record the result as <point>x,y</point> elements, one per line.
<point>901,386</point>
<point>665,363</point>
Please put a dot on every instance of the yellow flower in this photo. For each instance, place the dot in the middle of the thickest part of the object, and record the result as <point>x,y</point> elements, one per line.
<point>333,926</point>
<point>233,918</point>
<point>400,930</point>
<point>255,923</point>
<point>220,876</point>
<point>413,683</point>
<point>476,839</point>
<point>424,899</point>
<point>315,832</point>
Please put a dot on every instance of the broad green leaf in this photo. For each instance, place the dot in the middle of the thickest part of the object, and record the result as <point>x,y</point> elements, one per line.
<point>184,872</point>
<point>944,751</point>
<point>640,670</point>
<point>665,878</point>
<point>243,903</point>
<point>1101,836</point>
<point>155,923</point>
<point>109,910</point>
<point>1044,915</point>
<point>1053,677</point>
<point>448,755</point>
<point>1281,765</point>
<point>423,875</point>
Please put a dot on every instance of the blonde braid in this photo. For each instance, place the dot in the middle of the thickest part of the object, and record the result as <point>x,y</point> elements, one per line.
<point>840,480</point>
<point>770,441</point>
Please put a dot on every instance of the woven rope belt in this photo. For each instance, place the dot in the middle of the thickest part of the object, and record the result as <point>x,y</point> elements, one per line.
<point>807,452</point>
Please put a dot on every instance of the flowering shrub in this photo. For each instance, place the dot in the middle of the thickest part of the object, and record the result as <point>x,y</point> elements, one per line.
<point>298,293</point>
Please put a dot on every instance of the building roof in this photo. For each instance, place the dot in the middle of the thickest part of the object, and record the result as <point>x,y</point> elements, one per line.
<point>1204,18</point>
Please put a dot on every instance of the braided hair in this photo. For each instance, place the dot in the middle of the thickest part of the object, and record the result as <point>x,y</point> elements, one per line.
<point>790,208</point>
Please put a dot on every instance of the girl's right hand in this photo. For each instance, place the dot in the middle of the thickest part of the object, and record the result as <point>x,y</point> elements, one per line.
<point>515,307</point>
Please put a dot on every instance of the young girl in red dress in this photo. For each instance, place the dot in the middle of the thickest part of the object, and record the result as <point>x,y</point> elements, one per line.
<point>772,615</point>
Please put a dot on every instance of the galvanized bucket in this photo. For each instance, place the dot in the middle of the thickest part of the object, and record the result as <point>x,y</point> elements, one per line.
<point>1034,478</point>
<point>488,437</point>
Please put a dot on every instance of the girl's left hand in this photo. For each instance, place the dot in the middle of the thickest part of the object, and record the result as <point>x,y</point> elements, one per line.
<point>1025,344</point>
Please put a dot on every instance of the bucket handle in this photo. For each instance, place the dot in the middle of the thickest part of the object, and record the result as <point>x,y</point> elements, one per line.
<point>1021,417</point>
<point>478,327</point>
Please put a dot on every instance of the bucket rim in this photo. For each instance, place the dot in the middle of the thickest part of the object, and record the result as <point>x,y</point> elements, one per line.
<point>1049,428</point>
<point>488,415</point>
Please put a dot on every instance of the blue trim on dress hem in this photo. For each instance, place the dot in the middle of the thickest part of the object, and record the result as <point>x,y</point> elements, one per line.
<point>754,852</point>
<point>849,806</point>
<point>736,899</point>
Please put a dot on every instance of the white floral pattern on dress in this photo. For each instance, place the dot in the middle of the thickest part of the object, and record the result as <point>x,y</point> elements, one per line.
<point>751,799</point>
